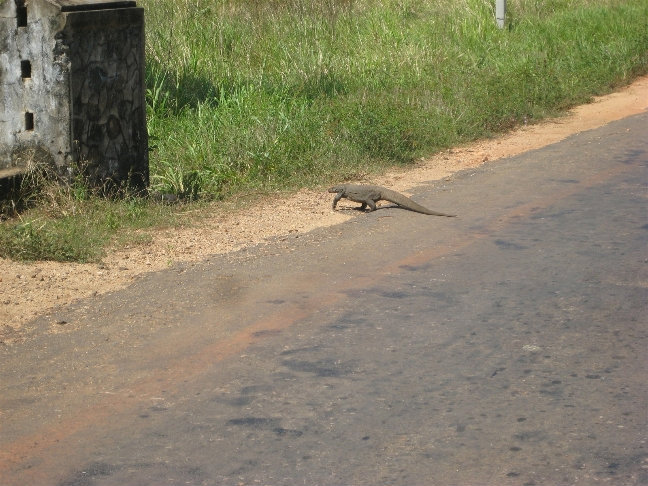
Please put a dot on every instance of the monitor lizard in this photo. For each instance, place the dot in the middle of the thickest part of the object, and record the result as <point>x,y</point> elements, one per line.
<point>370,195</point>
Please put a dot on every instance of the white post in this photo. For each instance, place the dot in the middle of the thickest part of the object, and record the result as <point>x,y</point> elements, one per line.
<point>500,12</point>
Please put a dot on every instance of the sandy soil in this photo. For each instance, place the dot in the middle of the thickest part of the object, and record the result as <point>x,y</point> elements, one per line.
<point>39,288</point>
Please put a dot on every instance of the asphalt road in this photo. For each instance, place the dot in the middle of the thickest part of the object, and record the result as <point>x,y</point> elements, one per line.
<point>504,347</point>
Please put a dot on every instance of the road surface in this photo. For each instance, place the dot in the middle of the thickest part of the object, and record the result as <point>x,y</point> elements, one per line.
<point>505,347</point>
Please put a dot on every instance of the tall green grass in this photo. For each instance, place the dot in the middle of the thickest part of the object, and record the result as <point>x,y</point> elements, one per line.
<point>247,95</point>
<point>268,94</point>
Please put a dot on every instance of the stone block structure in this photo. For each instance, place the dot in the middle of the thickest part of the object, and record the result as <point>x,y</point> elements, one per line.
<point>72,88</point>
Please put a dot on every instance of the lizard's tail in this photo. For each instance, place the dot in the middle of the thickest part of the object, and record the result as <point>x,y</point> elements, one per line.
<point>407,203</point>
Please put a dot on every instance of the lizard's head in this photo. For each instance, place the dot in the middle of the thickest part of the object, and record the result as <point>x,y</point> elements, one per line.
<point>336,189</point>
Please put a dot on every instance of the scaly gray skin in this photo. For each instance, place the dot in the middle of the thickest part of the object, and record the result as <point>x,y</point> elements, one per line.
<point>370,195</point>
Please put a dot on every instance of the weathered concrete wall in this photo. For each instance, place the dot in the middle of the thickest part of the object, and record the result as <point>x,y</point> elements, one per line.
<point>44,94</point>
<point>72,89</point>
<point>108,105</point>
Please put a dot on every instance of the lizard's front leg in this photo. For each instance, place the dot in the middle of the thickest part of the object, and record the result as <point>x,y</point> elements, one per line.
<point>337,198</point>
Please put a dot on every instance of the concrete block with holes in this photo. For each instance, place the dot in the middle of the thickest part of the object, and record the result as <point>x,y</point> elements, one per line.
<point>72,89</point>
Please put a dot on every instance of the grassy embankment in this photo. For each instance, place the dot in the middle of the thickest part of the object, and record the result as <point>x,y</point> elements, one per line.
<point>264,95</point>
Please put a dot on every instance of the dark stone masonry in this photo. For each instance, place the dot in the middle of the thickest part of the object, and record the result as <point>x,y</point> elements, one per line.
<point>72,89</point>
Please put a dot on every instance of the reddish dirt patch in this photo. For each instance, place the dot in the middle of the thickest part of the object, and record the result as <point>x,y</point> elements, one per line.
<point>39,288</point>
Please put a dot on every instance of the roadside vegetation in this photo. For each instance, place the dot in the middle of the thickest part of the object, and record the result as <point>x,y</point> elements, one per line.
<point>266,95</point>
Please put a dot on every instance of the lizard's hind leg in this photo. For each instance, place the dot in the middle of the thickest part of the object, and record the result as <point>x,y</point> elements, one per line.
<point>370,203</point>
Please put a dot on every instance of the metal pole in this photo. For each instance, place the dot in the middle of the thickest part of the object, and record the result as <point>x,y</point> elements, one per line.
<point>500,12</point>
